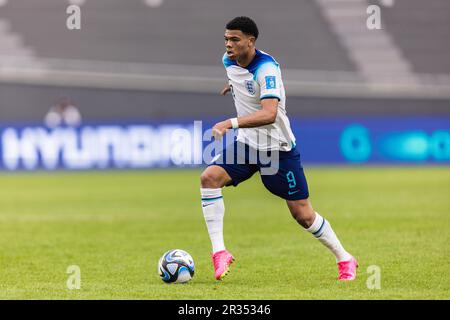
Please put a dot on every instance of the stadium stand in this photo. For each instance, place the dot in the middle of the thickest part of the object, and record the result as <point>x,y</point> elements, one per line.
<point>128,53</point>
<point>421,29</point>
<point>177,32</point>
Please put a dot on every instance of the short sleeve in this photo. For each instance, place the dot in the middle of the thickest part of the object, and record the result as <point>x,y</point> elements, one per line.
<point>269,80</point>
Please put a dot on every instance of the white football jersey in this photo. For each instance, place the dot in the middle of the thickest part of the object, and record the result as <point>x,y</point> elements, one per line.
<point>261,79</point>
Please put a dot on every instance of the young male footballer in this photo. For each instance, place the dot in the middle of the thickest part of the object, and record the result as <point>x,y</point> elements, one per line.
<point>254,79</point>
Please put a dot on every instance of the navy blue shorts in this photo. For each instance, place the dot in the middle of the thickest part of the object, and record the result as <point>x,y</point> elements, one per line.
<point>283,176</point>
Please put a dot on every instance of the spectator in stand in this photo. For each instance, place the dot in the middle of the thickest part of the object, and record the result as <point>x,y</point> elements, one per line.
<point>63,113</point>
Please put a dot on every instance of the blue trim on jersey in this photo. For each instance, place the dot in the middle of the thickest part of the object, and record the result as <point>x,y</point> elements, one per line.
<point>270,96</point>
<point>258,61</point>
<point>227,61</point>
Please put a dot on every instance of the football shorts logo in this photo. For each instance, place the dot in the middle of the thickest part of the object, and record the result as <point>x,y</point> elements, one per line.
<point>271,82</point>
<point>250,86</point>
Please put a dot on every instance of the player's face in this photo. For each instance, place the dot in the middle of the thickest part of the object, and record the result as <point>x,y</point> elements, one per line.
<point>238,44</point>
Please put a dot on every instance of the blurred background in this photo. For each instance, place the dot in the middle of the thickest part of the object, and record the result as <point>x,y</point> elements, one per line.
<point>111,94</point>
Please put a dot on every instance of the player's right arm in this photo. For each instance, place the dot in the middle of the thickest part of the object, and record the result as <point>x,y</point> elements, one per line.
<point>267,115</point>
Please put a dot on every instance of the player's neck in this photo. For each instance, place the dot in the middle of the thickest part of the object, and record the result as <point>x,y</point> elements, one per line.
<point>245,61</point>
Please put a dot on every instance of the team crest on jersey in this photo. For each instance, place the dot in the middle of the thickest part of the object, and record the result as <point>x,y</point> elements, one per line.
<point>249,84</point>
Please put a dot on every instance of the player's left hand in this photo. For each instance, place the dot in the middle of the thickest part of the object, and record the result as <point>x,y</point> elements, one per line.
<point>220,128</point>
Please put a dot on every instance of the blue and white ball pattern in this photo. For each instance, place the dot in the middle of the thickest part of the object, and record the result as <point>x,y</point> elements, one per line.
<point>176,266</point>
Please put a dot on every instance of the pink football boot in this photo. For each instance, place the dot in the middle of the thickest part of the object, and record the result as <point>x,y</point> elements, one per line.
<point>222,260</point>
<point>347,269</point>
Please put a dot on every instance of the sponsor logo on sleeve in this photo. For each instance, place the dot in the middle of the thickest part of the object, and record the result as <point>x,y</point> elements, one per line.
<point>271,82</point>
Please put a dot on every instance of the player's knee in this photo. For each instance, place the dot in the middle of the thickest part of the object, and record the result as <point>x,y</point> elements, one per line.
<point>209,179</point>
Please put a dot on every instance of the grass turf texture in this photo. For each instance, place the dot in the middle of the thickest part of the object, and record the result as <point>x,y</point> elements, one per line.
<point>116,225</point>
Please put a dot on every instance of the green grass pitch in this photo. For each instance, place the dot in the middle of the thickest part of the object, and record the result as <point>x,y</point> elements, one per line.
<point>116,225</point>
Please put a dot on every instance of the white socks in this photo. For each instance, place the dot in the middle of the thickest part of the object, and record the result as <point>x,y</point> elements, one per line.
<point>321,229</point>
<point>213,211</point>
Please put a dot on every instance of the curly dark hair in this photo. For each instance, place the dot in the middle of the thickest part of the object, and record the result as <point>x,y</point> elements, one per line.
<point>244,24</point>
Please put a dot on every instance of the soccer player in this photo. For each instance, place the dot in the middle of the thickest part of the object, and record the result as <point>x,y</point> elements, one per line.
<point>254,79</point>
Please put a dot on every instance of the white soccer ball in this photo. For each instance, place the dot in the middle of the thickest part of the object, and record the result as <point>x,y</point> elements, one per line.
<point>176,266</point>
